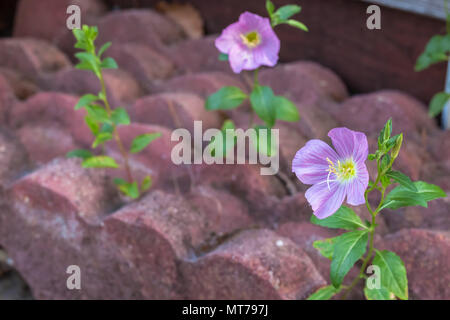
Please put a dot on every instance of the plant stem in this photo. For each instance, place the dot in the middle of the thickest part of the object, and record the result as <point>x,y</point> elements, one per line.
<point>371,228</point>
<point>122,149</point>
<point>255,83</point>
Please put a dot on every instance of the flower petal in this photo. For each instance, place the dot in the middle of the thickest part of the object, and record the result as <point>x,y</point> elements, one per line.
<point>241,59</point>
<point>310,162</point>
<point>325,199</point>
<point>229,38</point>
<point>349,144</point>
<point>357,187</point>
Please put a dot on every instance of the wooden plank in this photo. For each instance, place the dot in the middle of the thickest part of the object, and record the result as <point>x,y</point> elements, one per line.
<point>432,8</point>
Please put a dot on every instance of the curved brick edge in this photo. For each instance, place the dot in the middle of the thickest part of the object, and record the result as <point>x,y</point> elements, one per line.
<point>31,56</point>
<point>186,108</point>
<point>140,250</point>
<point>255,264</point>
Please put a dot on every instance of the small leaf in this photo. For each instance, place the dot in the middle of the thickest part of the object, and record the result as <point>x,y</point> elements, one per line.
<point>286,109</point>
<point>141,141</point>
<point>285,12</point>
<point>98,113</point>
<point>127,188</point>
<point>92,124</point>
<point>100,162</point>
<point>109,63</point>
<point>225,99</point>
<point>438,103</point>
<point>344,218</point>
<point>348,249</point>
<point>101,138</point>
<point>385,134</point>
<point>146,183</point>
<point>324,293</point>
<point>270,7</point>
<point>79,153</point>
<point>393,273</point>
<point>120,116</point>
<point>262,99</point>
<point>297,24</point>
<point>378,294</point>
<point>103,48</point>
<point>325,247</point>
<point>437,50</point>
<point>86,100</point>
<point>223,57</point>
<point>402,179</point>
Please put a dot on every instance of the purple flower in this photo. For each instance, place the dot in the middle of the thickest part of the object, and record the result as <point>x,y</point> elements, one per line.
<point>249,43</point>
<point>333,174</point>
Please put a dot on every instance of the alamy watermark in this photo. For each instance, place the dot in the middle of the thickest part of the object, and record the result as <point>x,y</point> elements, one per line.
<point>253,140</point>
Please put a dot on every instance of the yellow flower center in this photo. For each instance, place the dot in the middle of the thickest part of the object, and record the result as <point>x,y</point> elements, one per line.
<point>343,171</point>
<point>251,39</point>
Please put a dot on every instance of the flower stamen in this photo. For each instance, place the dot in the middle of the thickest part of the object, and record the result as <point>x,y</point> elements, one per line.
<point>343,171</point>
<point>251,39</point>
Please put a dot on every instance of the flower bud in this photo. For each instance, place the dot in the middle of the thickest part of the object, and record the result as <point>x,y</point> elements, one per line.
<point>397,146</point>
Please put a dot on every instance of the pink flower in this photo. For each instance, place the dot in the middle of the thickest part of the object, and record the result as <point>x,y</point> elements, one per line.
<point>249,43</point>
<point>334,175</point>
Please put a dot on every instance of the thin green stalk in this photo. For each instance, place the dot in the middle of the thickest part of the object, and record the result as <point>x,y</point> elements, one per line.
<point>371,228</point>
<point>122,149</point>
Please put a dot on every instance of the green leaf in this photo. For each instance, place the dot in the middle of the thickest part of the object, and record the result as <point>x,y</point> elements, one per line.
<point>120,116</point>
<point>109,63</point>
<point>100,162</point>
<point>429,191</point>
<point>223,57</point>
<point>385,163</point>
<point>348,249</point>
<point>270,7</point>
<point>86,100</point>
<point>402,179</point>
<point>297,24</point>
<point>141,141</point>
<point>285,109</point>
<point>378,294</point>
<point>225,99</point>
<point>285,12</point>
<point>325,247</point>
<point>88,61</point>
<point>146,183</point>
<point>92,124</point>
<point>79,153</point>
<point>385,134</point>
<point>437,50</point>
<point>103,48</point>
<point>127,188</point>
<point>324,293</point>
<point>262,99</point>
<point>344,218</point>
<point>403,197</point>
<point>97,113</point>
<point>101,138</point>
<point>438,103</point>
<point>393,273</point>
<point>264,142</point>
